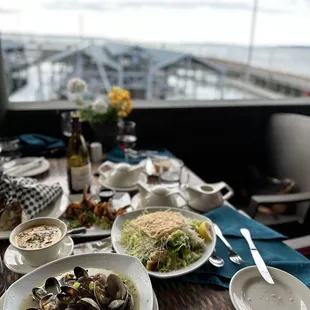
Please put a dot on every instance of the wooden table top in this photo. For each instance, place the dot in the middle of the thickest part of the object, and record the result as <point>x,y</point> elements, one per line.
<point>171,294</point>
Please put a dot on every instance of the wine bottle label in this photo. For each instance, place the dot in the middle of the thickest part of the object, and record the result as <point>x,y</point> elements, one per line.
<point>80,176</point>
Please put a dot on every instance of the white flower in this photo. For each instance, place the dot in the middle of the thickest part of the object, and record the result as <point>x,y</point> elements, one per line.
<point>77,85</point>
<point>100,106</point>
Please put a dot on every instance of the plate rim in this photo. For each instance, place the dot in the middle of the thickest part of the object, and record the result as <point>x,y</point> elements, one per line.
<point>78,256</point>
<point>157,274</point>
<point>19,272</point>
<point>245,269</point>
<point>28,175</point>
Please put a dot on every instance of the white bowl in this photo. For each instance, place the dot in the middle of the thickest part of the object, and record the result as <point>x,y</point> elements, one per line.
<point>123,264</point>
<point>37,257</point>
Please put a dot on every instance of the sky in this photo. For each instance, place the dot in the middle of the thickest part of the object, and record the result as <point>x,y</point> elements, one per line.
<point>162,21</point>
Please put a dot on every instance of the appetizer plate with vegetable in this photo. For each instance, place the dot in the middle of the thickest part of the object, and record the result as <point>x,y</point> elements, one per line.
<point>168,241</point>
<point>97,216</point>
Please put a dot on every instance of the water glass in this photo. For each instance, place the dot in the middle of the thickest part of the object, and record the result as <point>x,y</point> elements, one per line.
<point>126,134</point>
<point>173,174</point>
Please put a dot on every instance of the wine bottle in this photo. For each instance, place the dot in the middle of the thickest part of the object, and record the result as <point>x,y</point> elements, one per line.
<point>78,163</point>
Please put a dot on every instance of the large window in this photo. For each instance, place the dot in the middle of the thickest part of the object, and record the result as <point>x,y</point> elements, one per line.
<point>164,49</point>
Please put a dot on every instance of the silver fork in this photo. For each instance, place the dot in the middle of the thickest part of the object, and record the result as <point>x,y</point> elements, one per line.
<point>233,256</point>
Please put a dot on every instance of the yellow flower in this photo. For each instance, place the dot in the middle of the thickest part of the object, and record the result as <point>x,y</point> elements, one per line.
<point>125,94</point>
<point>116,89</point>
<point>114,102</point>
<point>122,114</point>
<point>120,99</point>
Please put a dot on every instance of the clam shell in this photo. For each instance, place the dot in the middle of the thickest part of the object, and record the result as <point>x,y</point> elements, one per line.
<point>116,287</point>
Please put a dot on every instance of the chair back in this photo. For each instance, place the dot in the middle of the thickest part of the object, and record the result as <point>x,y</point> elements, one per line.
<point>289,143</point>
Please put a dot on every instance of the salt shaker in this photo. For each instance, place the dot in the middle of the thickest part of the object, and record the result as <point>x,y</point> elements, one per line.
<point>96,152</point>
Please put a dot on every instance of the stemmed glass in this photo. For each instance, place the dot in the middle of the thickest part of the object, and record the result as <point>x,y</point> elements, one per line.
<point>126,134</point>
<point>126,137</point>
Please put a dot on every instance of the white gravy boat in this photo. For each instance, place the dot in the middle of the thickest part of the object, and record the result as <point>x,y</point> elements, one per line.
<point>121,175</point>
<point>206,197</point>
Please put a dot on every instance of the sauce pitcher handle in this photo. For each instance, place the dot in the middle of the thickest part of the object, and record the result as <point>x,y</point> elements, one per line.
<point>220,186</point>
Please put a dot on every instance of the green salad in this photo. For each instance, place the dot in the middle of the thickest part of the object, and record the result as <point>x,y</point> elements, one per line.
<point>165,241</point>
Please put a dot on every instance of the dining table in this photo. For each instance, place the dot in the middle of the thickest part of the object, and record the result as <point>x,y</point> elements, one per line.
<point>171,293</point>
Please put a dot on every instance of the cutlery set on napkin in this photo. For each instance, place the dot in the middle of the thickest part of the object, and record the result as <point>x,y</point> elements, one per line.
<point>236,258</point>
<point>18,169</point>
<point>267,249</point>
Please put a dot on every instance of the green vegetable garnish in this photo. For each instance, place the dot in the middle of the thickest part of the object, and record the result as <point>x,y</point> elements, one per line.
<point>91,285</point>
<point>76,285</point>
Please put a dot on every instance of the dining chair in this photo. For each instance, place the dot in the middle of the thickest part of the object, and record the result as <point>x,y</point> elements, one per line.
<point>288,149</point>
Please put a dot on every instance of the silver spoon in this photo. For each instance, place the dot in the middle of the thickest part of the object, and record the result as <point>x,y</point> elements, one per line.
<point>215,260</point>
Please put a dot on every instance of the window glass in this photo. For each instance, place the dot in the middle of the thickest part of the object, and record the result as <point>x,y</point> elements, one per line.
<point>164,49</point>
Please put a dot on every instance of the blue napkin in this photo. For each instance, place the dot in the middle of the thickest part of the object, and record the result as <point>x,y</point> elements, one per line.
<point>268,242</point>
<point>117,155</point>
<point>37,145</point>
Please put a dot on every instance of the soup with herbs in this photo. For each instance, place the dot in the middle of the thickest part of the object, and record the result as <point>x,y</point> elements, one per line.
<point>38,237</point>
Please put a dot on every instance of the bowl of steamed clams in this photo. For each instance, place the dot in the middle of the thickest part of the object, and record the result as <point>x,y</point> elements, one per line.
<point>168,241</point>
<point>91,211</point>
<point>84,282</point>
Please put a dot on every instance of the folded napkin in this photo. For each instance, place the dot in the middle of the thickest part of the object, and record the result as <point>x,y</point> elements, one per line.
<point>117,155</point>
<point>36,144</point>
<point>26,197</point>
<point>268,242</point>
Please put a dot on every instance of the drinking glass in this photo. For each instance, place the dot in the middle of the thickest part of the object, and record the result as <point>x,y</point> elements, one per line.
<point>173,175</point>
<point>66,127</point>
<point>126,134</point>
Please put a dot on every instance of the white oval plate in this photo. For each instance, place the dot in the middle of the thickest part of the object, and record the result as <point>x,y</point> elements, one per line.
<point>155,302</point>
<point>249,291</point>
<point>103,182</point>
<point>117,230</point>
<point>15,262</point>
<point>127,265</point>
<point>44,166</point>
<point>95,230</point>
<point>55,209</point>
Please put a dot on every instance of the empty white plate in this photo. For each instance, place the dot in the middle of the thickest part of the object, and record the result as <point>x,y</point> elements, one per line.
<point>41,168</point>
<point>15,262</point>
<point>249,291</point>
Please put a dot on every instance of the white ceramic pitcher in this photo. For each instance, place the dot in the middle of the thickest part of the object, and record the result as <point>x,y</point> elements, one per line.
<point>206,197</point>
<point>159,196</point>
<point>121,175</point>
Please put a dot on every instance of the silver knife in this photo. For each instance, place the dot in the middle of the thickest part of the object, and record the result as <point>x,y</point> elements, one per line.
<point>260,264</point>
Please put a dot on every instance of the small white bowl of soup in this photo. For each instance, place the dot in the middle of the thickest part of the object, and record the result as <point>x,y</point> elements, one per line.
<point>39,240</point>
